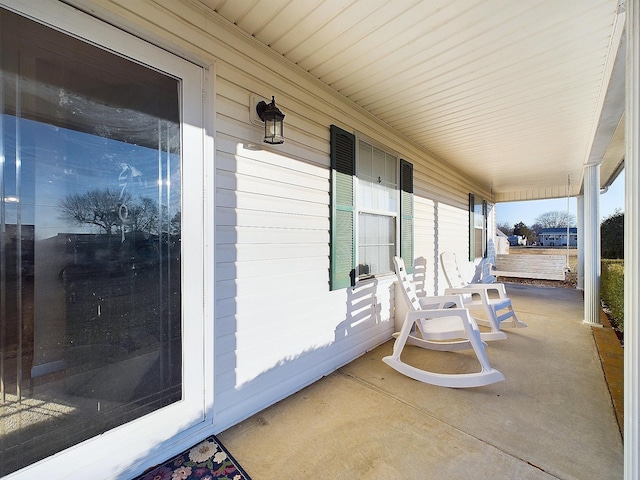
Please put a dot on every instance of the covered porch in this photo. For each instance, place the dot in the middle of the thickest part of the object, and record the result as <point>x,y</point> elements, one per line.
<point>553,417</point>
<point>471,103</point>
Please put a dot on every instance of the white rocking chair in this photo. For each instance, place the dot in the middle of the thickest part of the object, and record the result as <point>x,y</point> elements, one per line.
<point>429,324</point>
<point>499,311</point>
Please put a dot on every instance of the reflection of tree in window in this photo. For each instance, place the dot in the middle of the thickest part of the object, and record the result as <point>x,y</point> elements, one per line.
<point>102,207</point>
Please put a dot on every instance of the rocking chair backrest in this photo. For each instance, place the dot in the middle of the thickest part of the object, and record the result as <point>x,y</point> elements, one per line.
<point>451,270</point>
<point>407,286</point>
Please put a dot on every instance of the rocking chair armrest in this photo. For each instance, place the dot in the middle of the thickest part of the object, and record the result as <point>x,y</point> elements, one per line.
<point>482,292</point>
<point>477,287</point>
<point>441,301</point>
<point>414,315</point>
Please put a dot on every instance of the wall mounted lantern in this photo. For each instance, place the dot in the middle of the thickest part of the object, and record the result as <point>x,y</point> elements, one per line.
<point>273,120</point>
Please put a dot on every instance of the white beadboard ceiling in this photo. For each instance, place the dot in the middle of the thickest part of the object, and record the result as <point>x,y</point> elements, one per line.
<point>511,92</point>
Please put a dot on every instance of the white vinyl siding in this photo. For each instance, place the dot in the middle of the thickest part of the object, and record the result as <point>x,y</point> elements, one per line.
<point>453,236</point>
<point>425,243</point>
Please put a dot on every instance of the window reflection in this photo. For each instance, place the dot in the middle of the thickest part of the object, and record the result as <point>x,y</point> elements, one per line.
<point>90,299</point>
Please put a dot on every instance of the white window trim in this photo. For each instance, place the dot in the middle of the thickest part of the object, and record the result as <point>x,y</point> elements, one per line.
<point>136,444</point>
<point>358,208</point>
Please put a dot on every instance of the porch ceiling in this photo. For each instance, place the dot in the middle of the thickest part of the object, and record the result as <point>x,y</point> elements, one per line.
<point>509,92</point>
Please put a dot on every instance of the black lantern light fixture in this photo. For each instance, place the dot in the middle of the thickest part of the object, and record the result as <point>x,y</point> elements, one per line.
<point>273,120</point>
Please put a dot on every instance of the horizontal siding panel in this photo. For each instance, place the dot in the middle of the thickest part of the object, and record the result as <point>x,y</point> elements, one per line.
<point>265,320</point>
<point>329,307</point>
<point>318,360</point>
<point>267,288</point>
<point>234,93</point>
<point>228,198</point>
<point>323,316</point>
<point>250,136</point>
<point>308,160</point>
<point>234,117</point>
<point>226,234</point>
<point>453,236</point>
<point>328,312</point>
<point>305,291</point>
<point>254,348</point>
<point>251,252</point>
<point>303,299</point>
<point>228,183</point>
<point>441,187</point>
<point>268,268</point>
<point>253,169</point>
<point>263,219</point>
<point>425,244</point>
<point>297,327</point>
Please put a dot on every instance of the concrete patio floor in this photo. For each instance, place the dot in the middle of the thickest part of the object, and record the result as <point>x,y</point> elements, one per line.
<point>551,418</point>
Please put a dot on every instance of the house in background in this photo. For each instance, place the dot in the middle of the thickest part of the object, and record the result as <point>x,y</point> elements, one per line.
<point>557,237</point>
<point>183,274</point>
<point>516,240</point>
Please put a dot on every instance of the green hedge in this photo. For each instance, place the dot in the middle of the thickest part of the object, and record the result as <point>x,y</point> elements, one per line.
<point>612,289</point>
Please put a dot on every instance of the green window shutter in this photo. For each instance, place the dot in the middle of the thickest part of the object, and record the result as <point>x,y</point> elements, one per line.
<point>472,232</point>
<point>406,214</point>
<point>342,249</point>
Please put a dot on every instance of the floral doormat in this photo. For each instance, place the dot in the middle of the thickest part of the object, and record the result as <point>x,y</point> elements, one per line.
<point>207,460</point>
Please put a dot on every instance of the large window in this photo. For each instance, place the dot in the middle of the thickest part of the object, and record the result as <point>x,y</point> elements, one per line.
<point>91,247</point>
<point>372,209</point>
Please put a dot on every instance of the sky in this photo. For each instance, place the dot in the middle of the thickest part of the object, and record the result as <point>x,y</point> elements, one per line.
<point>527,212</point>
<point>56,162</point>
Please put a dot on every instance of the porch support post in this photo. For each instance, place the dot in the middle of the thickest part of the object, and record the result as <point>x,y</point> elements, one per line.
<point>632,245</point>
<point>592,244</point>
<point>580,247</point>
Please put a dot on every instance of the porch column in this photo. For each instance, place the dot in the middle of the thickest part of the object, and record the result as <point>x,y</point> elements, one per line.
<point>580,247</point>
<point>592,244</point>
<point>632,245</point>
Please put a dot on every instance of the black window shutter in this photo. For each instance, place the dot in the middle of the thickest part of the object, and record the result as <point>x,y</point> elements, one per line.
<point>342,248</point>
<point>406,214</point>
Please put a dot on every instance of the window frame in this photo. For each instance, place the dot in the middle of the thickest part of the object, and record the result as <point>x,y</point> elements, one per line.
<point>476,201</point>
<point>362,210</point>
<point>343,243</point>
<point>132,445</point>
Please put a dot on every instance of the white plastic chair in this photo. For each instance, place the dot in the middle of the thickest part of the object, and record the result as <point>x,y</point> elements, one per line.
<point>430,324</point>
<point>499,311</point>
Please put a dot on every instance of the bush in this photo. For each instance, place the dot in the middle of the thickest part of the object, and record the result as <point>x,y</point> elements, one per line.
<point>612,290</point>
<point>612,236</point>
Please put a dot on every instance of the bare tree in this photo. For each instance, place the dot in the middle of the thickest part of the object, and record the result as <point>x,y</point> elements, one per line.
<point>556,219</point>
<point>111,211</point>
<point>143,216</point>
<point>175,224</point>
<point>99,207</point>
<point>505,228</point>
